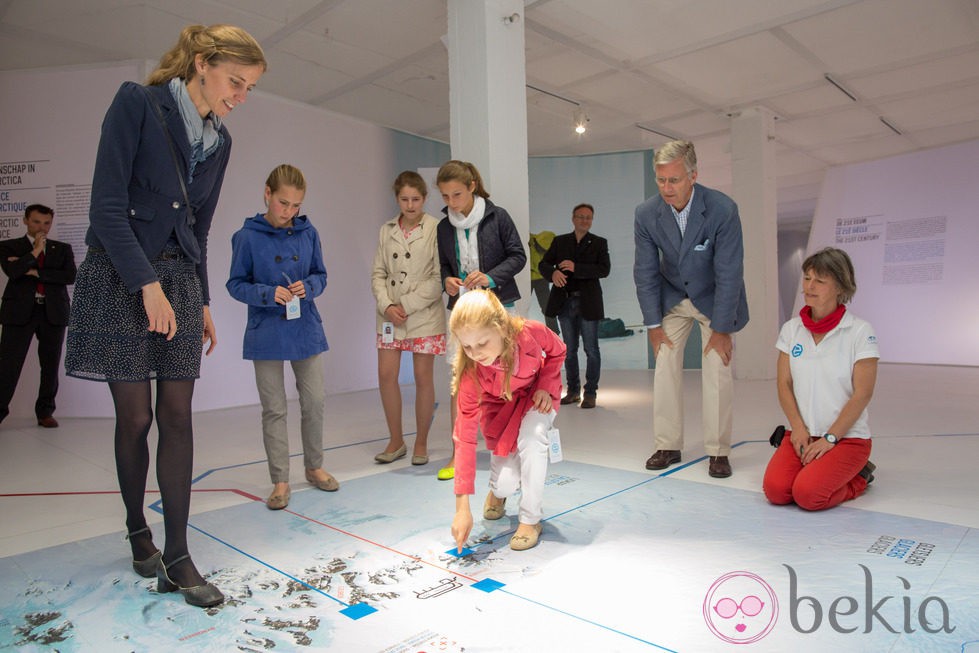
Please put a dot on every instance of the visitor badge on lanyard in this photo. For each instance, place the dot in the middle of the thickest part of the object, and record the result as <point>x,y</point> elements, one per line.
<point>554,446</point>
<point>292,306</point>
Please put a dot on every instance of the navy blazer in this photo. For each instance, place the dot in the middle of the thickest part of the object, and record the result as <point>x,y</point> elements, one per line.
<point>591,263</point>
<point>707,265</point>
<point>57,273</point>
<point>501,252</point>
<point>137,203</point>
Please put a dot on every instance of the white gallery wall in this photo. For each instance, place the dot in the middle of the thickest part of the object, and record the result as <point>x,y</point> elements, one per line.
<point>911,225</point>
<point>909,222</point>
<point>52,118</point>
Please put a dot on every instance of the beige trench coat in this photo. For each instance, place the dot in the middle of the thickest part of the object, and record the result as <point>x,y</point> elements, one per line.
<point>406,272</point>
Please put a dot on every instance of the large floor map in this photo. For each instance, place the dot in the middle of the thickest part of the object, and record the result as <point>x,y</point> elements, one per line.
<point>627,562</point>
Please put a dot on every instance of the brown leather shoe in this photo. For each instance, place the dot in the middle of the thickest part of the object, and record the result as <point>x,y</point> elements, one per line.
<point>588,401</point>
<point>663,458</point>
<point>47,422</point>
<point>719,467</point>
<point>570,399</point>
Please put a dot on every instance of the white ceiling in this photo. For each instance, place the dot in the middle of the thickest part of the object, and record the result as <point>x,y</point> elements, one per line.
<point>676,67</point>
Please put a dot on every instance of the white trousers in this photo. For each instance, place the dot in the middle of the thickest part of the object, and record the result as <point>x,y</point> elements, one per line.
<point>526,468</point>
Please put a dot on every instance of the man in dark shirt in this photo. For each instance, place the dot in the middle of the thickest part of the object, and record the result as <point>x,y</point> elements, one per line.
<point>574,264</point>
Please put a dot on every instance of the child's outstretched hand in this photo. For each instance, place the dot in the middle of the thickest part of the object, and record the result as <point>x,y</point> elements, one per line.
<point>542,401</point>
<point>462,525</point>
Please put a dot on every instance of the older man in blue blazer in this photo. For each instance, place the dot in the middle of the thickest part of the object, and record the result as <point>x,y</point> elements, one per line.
<point>689,269</point>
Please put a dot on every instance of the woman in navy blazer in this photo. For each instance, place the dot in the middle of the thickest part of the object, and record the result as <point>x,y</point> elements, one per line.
<point>141,296</point>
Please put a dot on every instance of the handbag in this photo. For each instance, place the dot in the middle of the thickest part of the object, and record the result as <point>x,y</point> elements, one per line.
<point>776,438</point>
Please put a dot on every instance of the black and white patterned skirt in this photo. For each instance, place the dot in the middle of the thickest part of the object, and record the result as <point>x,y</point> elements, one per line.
<point>108,338</point>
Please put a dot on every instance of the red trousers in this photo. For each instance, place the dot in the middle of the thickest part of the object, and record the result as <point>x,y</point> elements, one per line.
<point>825,482</point>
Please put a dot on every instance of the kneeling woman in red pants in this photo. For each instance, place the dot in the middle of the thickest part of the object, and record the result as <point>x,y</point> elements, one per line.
<point>827,368</point>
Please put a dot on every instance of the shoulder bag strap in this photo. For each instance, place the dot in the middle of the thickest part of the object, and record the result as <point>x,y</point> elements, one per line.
<point>173,155</point>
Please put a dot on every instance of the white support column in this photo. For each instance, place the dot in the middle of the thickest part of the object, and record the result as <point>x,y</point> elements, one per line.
<point>753,188</point>
<point>488,104</point>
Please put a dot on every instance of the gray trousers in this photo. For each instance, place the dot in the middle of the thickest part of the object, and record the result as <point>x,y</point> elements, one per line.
<point>270,379</point>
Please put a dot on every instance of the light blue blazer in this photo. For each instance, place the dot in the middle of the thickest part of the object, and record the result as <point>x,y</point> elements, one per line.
<point>706,265</point>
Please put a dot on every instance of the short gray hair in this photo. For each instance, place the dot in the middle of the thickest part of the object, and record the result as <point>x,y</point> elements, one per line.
<point>833,262</point>
<point>670,152</point>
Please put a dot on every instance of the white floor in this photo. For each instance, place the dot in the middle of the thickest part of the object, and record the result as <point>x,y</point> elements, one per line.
<point>58,486</point>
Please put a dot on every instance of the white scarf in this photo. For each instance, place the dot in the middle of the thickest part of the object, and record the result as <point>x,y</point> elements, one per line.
<point>468,246</point>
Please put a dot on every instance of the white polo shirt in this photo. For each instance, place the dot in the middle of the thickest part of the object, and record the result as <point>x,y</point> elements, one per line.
<point>822,375</point>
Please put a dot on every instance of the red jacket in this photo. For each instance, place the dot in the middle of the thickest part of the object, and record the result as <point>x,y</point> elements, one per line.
<point>537,366</point>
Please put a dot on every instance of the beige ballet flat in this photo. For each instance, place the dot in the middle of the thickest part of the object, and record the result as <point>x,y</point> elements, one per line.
<point>278,501</point>
<point>385,458</point>
<point>524,542</point>
<point>491,510</point>
<point>328,484</point>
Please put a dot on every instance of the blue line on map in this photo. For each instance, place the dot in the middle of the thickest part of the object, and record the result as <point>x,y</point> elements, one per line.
<point>587,621</point>
<point>295,455</point>
<point>156,505</point>
<point>618,492</point>
<point>265,564</point>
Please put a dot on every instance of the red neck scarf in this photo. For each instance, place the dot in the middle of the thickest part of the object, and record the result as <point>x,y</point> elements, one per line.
<point>824,325</point>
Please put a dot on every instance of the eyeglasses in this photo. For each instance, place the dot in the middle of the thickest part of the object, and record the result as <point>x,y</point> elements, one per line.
<point>672,181</point>
<point>750,606</point>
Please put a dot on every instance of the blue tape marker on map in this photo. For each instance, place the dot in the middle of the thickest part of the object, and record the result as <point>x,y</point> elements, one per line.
<point>357,611</point>
<point>487,585</point>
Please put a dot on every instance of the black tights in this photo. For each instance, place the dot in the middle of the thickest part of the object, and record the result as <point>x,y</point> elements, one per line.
<point>174,463</point>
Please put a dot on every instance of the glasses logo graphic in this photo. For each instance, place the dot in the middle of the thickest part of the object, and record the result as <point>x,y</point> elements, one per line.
<point>750,606</point>
<point>740,608</point>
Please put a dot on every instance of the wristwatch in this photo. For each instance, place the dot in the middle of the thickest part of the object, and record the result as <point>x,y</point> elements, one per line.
<point>832,439</point>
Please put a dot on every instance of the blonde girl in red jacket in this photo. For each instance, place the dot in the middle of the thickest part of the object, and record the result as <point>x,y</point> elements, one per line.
<point>507,382</point>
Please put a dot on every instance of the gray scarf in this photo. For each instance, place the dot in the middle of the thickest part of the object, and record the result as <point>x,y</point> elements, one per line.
<point>202,134</point>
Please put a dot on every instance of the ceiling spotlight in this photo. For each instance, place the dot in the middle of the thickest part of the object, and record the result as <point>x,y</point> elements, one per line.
<point>580,121</point>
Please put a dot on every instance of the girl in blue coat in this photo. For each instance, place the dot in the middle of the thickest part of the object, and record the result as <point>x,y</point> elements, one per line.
<point>277,269</point>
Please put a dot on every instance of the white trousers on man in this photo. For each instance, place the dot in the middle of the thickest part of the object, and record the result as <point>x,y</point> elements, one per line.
<point>526,468</point>
<point>716,379</point>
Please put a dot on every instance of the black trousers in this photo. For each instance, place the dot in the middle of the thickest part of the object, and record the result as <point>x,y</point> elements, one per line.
<point>15,341</point>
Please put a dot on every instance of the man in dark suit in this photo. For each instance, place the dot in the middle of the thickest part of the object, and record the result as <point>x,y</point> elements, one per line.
<point>35,303</point>
<point>689,269</point>
<point>574,264</point>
